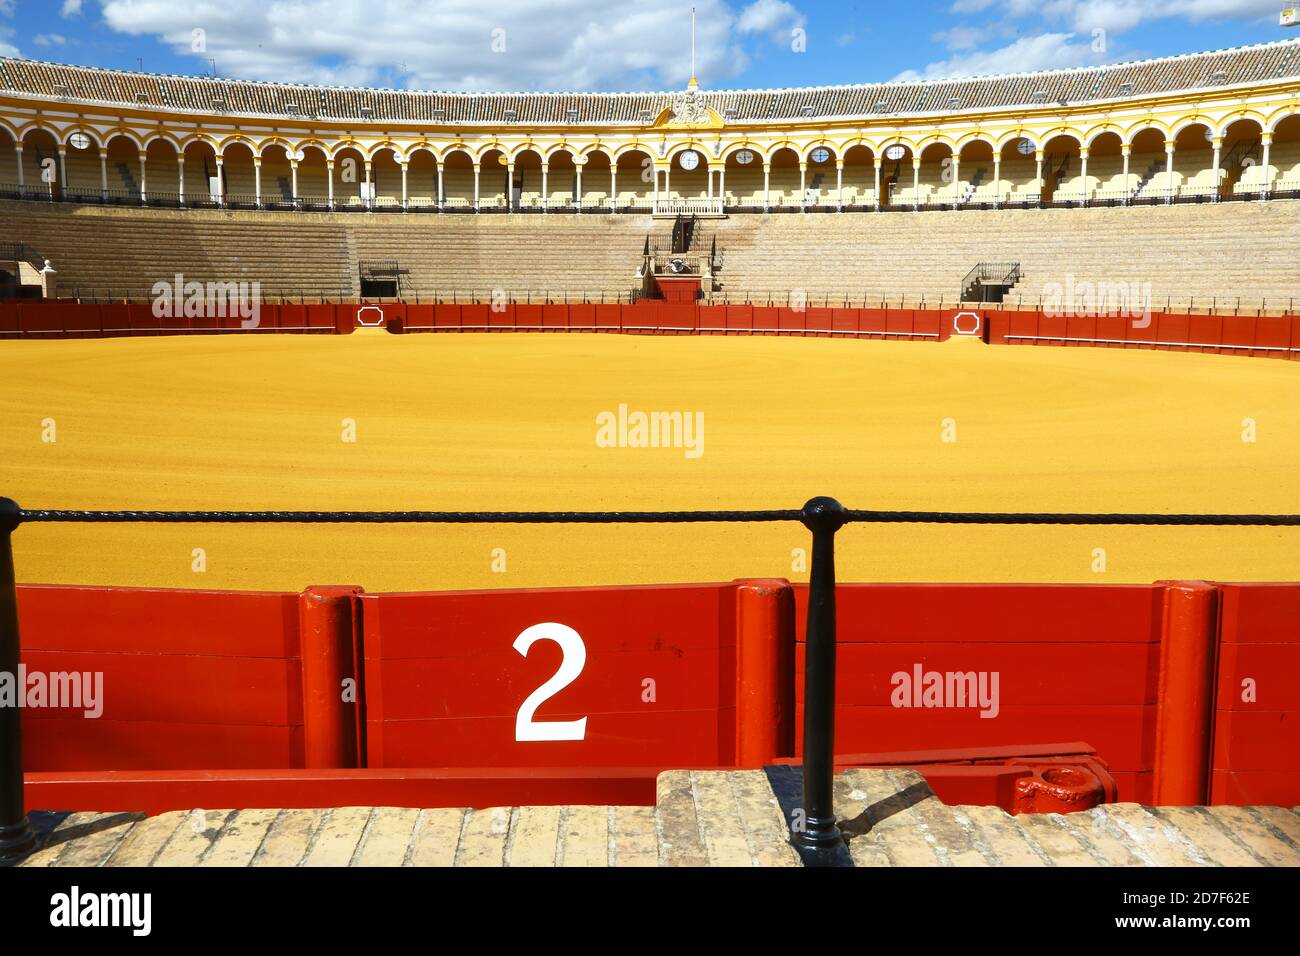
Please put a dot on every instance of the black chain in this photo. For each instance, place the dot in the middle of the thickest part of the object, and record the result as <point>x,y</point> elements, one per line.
<point>640,517</point>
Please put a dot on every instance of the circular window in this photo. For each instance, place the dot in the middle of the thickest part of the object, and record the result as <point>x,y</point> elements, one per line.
<point>689,160</point>
<point>745,157</point>
<point>1026,146</point>
<point>896,152</point>
<point>821,155</point>
<point>79,141</point>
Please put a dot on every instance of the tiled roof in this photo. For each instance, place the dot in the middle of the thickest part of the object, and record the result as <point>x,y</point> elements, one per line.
<point>1269,61</point>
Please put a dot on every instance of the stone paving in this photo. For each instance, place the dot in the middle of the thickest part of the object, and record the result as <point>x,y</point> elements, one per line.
<point>722,818</point>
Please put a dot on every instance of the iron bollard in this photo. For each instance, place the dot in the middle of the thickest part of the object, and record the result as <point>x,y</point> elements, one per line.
<point>16,836</point>
<point>823,517</point>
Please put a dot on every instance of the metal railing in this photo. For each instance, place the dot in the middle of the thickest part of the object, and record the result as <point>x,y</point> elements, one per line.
<point>901,199</point>
<point>990,274</point>
<point>814,832</point>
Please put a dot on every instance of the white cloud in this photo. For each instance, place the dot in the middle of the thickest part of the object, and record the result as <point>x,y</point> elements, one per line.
<point>964,37</point>
<point>1048,51</point>
<point>7,48</point>
<point>565,44</point>
<point>1118,16</point>
<point>49,39</point>
<point>777,18</point>
<point>71,8</point>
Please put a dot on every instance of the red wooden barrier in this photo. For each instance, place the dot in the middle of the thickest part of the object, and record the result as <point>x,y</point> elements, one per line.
<point>191,679</point>
<point>595,677</point>
<point>1264,336</point>
<point>687,676</point>
<point>1257,711</point>
<point>1072,663</point>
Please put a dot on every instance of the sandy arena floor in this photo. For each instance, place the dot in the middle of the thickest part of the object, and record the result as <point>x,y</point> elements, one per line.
<point>507,422</point>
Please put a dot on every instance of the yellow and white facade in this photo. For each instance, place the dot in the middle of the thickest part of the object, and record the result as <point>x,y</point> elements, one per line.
<point>1207,127</point>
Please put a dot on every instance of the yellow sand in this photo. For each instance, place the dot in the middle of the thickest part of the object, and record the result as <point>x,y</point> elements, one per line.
<point>509,422</point>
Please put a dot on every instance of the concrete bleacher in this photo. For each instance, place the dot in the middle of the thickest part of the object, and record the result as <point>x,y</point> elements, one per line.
<point>1190,255</point>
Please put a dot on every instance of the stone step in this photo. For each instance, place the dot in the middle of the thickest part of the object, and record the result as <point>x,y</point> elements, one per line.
<point>701,818</point>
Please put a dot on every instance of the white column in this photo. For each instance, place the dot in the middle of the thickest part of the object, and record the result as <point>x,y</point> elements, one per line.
<point>722,185</point>
<point>439,186</point>
<point>877,164</point>
<point>180,178</point>
<point>956,181</point>
<point>510,187</point>
<point>803,187</point>
<point>257,181</point>
<point>370,202</point>
<point>476,172</point>
<point>1042,183</point>
<point>668,181</point>
<point>63,170</point>
<point>708,182</point>
<point>1266,185</point>
<point>18,151</point>
<point>1083,174</point>
<point>997,180</point>
<point>329,176</point>
<point>839,185</point>
<point>1127,152</point>
<point>577,197</point>
<point>404,200</point>
<point>545,170</point>
<point>103,173</point>
<point>767,185</point>
<point>1169,171</point>
<point>293,181</point>
<point>1218,162</point>
<point>221,181</point>
<point>916,185</point>
<point>144,196</point>
<point>613,185</point>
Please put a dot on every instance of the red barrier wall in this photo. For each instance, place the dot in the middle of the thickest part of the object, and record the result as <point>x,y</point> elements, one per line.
<point>655,675</point>
<point>1263,336</point>
<point>1276,336</point>
<point>1178,686</point>
<point>1074,663</point>
<point>1257,709</point>
<point>191,679</point>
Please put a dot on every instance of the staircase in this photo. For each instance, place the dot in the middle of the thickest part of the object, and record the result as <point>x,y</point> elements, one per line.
<point>990,281</point>
<point>1234,164</point>
<point>1147,177</point>
<point>973,186</point>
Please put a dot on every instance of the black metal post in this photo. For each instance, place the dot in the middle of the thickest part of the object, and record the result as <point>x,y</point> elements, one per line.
<point>16,836</point>
<point>818,830</point>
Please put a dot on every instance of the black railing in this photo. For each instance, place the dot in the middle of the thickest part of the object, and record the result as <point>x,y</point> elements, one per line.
<point>1002,274</point>
<point>814,832</point>
<point>642,206</point>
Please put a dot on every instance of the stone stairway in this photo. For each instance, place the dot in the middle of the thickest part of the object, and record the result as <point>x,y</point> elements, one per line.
<point>701,818</point>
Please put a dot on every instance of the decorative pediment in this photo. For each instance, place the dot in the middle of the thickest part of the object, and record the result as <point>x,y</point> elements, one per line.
<point>687,110</point>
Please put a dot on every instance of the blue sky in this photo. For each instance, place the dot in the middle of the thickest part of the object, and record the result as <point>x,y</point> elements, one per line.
<point>599,45</point>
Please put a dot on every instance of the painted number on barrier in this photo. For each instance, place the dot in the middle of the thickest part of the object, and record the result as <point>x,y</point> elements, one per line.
<point>575,658</point>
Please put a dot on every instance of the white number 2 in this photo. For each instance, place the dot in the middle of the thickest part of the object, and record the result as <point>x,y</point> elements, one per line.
<point>575,658</point>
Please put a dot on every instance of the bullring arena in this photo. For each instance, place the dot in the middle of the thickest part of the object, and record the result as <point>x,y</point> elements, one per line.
<point>1057,293</point>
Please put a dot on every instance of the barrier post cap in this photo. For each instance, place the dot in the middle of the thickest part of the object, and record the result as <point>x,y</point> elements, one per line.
<point>824,514</point>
